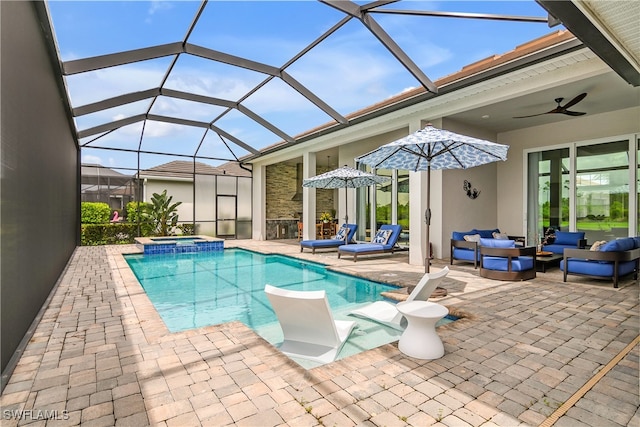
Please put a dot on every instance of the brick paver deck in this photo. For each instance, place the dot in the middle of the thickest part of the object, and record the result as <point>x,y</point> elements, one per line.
<point>101,356</point>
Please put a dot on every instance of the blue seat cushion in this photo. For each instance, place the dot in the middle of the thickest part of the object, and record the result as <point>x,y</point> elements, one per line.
<point>568,238</point>
<point>365,247</point>
<point>464,254</point>
<point>624,244</point>
<point>597,268</point>
<point>500,263</point>
<point>497,243</point>
<point>556,249</point>
<point>322,243</point>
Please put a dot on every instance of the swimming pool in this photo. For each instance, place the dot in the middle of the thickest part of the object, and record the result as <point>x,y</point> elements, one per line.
<point>192,290</point>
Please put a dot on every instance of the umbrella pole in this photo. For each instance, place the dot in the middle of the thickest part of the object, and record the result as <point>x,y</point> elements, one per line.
<point>427,217</point>
<point>346,214</point>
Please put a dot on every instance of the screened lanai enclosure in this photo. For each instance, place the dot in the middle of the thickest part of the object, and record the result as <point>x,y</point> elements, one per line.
<point>102,184</point>
<point>178,101</point>
<point>202,98</point>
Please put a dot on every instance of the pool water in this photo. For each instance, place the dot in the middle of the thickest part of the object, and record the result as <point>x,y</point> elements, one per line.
<point>192,290</point>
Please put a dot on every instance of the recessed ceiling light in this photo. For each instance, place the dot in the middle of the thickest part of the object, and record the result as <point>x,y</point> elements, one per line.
<point>486,116</point>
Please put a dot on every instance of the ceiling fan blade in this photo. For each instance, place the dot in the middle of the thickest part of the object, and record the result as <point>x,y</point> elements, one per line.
<point>561,109</point>
<point>532,115</point>
<point>574,101</point>
<point>555,110</point>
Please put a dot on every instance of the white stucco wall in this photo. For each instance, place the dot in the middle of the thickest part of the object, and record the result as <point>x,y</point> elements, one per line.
<point>181,192</point>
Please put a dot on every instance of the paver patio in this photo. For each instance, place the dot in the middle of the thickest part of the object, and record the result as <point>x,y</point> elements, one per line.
<point>101,356</point>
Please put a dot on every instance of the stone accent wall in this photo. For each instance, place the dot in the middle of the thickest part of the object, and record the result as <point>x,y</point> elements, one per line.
<point>281,187</point>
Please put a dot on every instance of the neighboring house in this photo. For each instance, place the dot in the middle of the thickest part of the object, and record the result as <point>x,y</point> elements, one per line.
<point>102,184</point>
<point>222,195</point>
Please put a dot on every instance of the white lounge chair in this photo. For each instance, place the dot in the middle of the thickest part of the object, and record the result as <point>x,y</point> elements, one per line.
<point>386,313</point>
<point>310,331</point>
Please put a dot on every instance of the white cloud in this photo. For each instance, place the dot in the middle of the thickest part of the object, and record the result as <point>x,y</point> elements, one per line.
<point>90,159</point>
<point>159,5</point>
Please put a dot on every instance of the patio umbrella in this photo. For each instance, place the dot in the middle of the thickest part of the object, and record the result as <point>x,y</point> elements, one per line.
<point>432,148</point>
<point>344,177</point>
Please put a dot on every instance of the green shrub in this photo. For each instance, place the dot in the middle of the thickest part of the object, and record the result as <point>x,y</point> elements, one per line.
<point>188,229</point>
<point>162,213</point>
<point>133,214</point>
<point>94,213</point>
<point>108,234</point>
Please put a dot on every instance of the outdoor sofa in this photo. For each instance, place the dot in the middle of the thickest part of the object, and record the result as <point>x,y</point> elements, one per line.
<point>612,260</point>
<point>330,243</point>
<point>465,245</point>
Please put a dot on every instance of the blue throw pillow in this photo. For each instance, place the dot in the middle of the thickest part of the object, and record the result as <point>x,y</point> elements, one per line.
<point>342,233</point>
<point>617,245</point>
<point>568,237</point>
<point>459,235</point>
<point>637,242</point>
<point>497,243</point>
<point>382,236</point>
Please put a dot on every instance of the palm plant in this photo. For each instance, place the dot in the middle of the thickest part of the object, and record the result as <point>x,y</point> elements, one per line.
<point>162,214</point>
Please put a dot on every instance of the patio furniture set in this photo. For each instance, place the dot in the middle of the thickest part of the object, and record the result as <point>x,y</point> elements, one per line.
<point>500,257</point>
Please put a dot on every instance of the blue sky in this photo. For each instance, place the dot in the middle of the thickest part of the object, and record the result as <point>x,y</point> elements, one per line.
<point>349,71</point>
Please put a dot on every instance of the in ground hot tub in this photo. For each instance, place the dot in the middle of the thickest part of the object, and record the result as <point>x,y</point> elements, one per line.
<point>179,244</point>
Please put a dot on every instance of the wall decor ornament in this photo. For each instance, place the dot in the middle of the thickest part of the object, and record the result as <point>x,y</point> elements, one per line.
<point>471,193</point>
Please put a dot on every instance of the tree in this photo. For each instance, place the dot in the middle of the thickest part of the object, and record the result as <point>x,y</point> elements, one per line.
<point>162,214</point>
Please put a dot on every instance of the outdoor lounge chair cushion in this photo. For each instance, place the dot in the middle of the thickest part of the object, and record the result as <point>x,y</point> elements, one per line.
<point>597,268</point>
<point>570,238</point>
<point>617,245</point>
<point>498,243</point>
<point>464,254</point>
<point>501,263</point>
<point>376,247</point>
<point>563,240</point>
<point>330,243</point>
<point>522,263</point>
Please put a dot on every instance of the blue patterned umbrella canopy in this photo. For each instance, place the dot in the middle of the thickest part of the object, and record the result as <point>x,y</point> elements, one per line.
<point>344,177</point>
<point>432,148</point>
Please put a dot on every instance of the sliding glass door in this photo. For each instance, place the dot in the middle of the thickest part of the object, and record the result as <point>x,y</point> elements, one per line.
<point>585,187</point>
<point>602,190</point>
<point>548,192</point>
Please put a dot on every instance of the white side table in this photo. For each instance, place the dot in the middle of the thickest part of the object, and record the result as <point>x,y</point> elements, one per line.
<point>420,339</point>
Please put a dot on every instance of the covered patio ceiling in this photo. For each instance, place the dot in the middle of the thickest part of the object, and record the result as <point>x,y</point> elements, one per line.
<point>215,89</point>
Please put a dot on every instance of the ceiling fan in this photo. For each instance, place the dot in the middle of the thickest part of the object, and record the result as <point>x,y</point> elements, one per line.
<point>562,109</point>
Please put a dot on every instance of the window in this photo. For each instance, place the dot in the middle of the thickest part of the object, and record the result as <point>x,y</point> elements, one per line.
<point>602,190</point>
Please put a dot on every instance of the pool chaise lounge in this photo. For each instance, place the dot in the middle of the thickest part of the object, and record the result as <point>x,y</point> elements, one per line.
<point>388,245</point>
<point>309,329</point>
<point>328,243</point>
<point>387,314</point>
